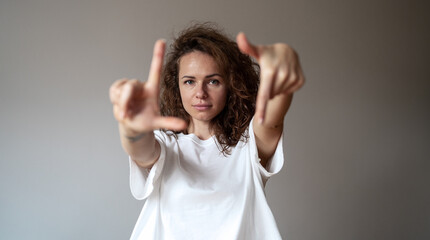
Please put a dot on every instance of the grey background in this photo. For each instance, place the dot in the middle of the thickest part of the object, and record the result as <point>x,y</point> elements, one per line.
<point>357,135</point>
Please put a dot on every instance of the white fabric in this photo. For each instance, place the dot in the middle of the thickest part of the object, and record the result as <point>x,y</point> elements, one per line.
<point>195,192</point>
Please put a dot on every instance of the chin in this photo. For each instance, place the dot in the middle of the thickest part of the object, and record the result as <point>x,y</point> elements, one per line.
<point>204,117</point>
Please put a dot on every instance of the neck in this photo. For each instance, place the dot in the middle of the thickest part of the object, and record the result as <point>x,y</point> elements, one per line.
<point>200,129</point>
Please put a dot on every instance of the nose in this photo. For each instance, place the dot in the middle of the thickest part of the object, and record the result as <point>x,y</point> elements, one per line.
<point>201,91</point>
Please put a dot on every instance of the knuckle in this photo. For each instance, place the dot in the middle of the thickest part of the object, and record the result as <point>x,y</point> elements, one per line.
<point>282,74</point>
<point>268,73</point>
<point>113,98</point>
<point>301,82</point>
<point>112,91</point>
<point>293,77</point>
<point>134,82</point>
<point>131,85</point>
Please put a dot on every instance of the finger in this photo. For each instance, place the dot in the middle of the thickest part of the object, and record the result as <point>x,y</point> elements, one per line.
<point>129,88</point>
<point>246,47</point>
<point>114,90</point>
<point>156,64</point>
<point>297,85</point>
<point>280,83</point>
<point>117,113</point>
<point>170,123</point>
<point>264,94</point>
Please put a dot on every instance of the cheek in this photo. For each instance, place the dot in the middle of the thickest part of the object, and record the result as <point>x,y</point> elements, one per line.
<point>185,101</point>
<point>223,97</point>
<point>184,96</point>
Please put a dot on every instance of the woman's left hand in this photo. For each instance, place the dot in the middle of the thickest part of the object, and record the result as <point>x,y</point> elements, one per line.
<point>280,71</point>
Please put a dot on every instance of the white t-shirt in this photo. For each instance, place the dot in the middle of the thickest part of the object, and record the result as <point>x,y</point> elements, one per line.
<point>196,192</point>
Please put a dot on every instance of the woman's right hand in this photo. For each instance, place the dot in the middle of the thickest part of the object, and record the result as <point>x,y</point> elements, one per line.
<point>136,104</point>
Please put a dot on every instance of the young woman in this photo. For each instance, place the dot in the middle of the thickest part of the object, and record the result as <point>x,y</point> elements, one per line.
<point>200,154</point>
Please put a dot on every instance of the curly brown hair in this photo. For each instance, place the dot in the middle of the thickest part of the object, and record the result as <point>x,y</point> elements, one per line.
<point>240,73</point>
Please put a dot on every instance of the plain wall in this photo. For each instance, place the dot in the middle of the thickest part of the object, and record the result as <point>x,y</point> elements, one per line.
<point>356,137</point>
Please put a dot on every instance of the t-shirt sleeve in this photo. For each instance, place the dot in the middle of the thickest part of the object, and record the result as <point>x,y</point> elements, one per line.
<point>275,163</point>
<point>143,181</point>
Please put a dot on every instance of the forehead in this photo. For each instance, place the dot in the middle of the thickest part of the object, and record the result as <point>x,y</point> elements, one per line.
<point>196,62</point>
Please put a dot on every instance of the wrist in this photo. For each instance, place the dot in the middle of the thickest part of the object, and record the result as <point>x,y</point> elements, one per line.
<point>135,138</point>
<point>131,135</point>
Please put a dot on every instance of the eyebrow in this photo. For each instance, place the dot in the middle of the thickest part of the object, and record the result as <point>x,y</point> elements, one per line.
<point>208,76</point>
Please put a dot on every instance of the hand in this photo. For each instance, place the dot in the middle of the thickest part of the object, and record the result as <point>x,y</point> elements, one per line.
<point>280,68</point>
<point>136,104</point>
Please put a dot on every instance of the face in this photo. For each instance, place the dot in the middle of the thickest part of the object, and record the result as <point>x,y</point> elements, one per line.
<point>202,87</point>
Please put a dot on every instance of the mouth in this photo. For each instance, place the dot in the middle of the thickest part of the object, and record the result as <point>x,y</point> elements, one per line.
<point>202,107</point>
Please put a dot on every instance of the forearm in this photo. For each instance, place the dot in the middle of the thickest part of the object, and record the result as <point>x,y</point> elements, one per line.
<point>267,134</point>
<point>276,110</point>
<point>142,147</point>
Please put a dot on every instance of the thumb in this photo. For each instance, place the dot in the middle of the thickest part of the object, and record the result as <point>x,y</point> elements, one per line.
<point>246,47</point>
<point>170,123</point>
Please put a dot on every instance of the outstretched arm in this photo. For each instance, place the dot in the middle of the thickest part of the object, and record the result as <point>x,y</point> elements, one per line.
<point>136,108</point>
<point>281,75</point>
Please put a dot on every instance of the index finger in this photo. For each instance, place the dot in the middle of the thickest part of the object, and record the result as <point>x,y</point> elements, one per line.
<point>263,95</point>
<point>246,47</point>
<point>156,63</point>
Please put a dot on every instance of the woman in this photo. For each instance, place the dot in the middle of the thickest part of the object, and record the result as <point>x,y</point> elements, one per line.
<point>203,174</point>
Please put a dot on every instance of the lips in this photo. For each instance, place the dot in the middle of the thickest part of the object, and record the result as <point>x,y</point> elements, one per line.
<point>202,107</point>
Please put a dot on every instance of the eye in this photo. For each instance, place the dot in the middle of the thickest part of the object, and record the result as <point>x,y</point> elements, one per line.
<point>214,82</point>
<point>188,82</point>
